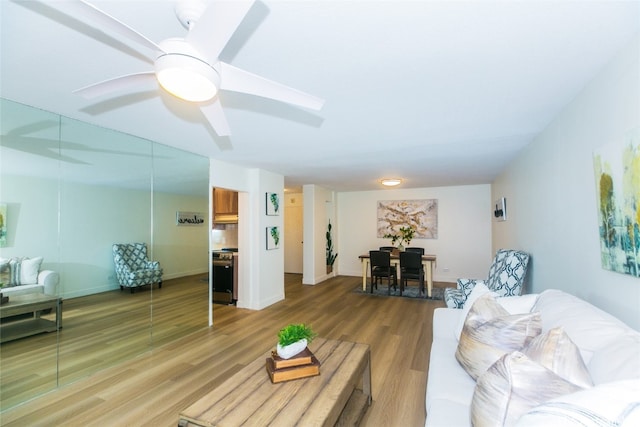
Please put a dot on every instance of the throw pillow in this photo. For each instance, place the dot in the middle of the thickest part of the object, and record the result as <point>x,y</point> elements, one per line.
<point>555,351</point>
<point>29,269</point>
<point>511,387</point>
<point>611,404</point>
<point>490,331</point>
<point>479,290</point>
<point>14,271</point>
<point>5,273</point>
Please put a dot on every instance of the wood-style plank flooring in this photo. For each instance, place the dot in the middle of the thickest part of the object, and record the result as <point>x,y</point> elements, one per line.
<point>152,388</point>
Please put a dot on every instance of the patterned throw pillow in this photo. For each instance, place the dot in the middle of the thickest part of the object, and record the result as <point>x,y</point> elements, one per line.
<point>490,332</point>
<point>14,271</point>
<point>5,272</point>
<point>555,351</point>
<point>548,367</point>
<point>511,387</point>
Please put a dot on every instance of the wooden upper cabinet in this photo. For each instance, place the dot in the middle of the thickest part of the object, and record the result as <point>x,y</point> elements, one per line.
<point>225,202</point>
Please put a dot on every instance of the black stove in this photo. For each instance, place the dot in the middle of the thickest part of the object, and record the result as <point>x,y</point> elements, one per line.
<point>224,271</point>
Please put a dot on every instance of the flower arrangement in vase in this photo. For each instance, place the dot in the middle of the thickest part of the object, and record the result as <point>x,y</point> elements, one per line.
<point>405,235</point>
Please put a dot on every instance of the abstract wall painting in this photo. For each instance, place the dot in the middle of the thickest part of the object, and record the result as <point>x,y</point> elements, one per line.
<point>421,215</point>
<point>3,225</point>
<point>617,173</point>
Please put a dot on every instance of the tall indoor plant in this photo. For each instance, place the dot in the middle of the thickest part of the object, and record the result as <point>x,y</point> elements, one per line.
<point>331,257</point>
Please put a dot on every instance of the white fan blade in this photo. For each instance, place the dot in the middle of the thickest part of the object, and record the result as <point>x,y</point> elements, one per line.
<point>108,22</point>
<point>214,28</point>
<point>216,117</point>
<point>117,84</point>
<point>237,80</point>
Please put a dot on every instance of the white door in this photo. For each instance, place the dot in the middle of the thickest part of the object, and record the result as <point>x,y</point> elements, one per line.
<point>293,234</point>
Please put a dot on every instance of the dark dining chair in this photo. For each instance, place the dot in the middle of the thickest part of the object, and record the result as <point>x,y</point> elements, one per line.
<point>387,248</point>
<point>411,269</point>
<point>415,249</point>
<point>380,262</point>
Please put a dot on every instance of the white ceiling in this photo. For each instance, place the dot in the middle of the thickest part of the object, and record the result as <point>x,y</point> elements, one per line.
<point>436,92</point>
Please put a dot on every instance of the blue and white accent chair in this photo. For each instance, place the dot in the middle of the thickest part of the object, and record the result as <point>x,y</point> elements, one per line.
<point>133,268</point>
<point>506,278</point>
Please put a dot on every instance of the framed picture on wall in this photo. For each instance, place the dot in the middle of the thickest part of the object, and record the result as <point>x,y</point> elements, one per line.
<point>273,204</point>
<point>273,238</point>
<point>189,218</point>
<point>3,225</point>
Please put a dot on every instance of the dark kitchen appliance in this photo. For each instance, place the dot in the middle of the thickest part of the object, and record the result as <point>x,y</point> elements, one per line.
<point>224,271</point>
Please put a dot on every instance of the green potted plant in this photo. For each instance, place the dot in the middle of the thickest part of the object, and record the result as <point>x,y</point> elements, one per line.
<point>331,257</point>
<point>404,235</point>
<point>294,338</point>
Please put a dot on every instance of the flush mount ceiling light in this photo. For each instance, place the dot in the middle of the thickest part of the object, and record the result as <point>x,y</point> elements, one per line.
<point>391,182</point>
<point>187,77</point>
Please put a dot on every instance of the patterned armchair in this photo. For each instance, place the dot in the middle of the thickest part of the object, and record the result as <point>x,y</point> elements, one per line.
<point>133,268</point>
<point>506,278</point>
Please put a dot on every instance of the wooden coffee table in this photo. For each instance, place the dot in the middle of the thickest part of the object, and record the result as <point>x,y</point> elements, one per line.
<point>29,303</point>
<point>340,395</point>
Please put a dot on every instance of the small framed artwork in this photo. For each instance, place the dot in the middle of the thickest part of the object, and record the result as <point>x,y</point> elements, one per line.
<point>273,204</point>
<point>273,238</point>
<point>189,218</point>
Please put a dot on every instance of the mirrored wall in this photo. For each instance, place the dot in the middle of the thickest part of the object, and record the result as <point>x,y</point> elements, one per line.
<point>69,191</point>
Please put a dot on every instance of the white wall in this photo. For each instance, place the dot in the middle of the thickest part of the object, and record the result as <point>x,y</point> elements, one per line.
<point>463,245</point>
<point>551,192</point>
<point>261,272</point>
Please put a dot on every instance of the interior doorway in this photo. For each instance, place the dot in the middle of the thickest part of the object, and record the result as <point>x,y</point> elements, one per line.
<point>293,226</point>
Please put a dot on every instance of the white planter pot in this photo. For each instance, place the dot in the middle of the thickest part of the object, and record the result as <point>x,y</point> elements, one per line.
<point>288,351</point>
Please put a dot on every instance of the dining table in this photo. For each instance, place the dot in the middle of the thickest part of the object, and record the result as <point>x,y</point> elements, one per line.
<point>428,263</point>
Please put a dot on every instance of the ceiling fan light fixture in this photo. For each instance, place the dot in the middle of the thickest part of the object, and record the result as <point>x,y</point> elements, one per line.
<point>391,182</point>
<point>187,77</point>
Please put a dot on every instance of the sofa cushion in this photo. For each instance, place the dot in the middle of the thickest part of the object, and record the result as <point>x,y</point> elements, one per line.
<point>619,360</point>
<point>512,386</point>
<point>611,404</point>
<point>490,331</point>
<point>589,327</point>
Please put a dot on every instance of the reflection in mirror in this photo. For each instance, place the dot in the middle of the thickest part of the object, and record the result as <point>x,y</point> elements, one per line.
<point>72,190</point>
<point>180,184</point>
<point>105,198</point>
<point>29,152</point>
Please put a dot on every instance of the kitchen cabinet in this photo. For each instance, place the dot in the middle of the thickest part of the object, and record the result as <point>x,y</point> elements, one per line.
<point>225,202</point>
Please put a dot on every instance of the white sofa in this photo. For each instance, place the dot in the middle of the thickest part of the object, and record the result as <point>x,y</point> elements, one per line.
<point>609,348</point>
<point>31,278</point>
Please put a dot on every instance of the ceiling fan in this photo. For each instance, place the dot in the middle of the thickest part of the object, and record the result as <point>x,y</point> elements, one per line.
<point>189,67</point>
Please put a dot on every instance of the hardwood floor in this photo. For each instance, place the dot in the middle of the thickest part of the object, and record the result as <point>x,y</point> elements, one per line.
<point>152,388</point>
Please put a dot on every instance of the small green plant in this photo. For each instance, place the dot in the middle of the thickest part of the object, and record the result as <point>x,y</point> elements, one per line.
<point>295,332</point>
